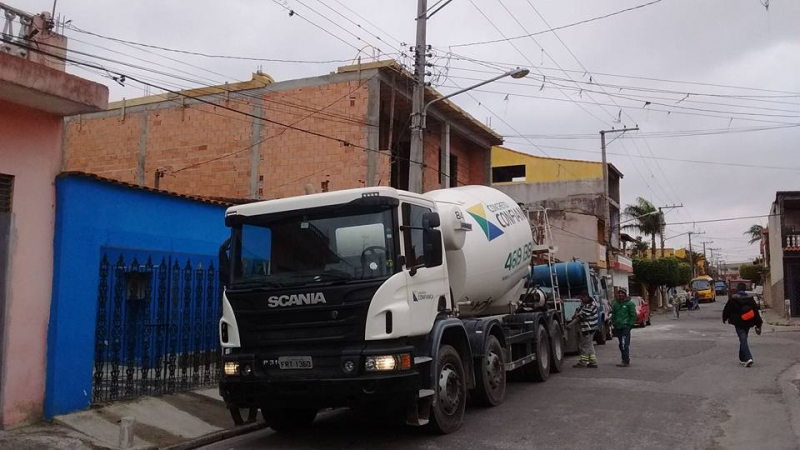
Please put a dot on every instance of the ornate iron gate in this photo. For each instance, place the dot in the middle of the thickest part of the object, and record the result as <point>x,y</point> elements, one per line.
<point>156,328</point>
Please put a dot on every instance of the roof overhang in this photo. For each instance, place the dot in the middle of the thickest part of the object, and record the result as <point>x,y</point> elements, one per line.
<point>36,86</point>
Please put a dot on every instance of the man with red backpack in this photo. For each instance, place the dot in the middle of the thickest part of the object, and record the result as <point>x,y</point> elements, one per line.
<point>741,311</point>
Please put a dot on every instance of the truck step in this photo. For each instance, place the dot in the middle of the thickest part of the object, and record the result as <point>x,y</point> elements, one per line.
<point>422,360</point>
<point>425,393</point>
<point>520,362</point>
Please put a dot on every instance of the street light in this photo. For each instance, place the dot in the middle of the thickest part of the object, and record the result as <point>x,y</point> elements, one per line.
<point>516,74</point>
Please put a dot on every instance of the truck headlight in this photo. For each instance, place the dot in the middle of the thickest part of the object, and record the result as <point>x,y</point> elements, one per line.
<point>231,368</point>
<point>384,363</point>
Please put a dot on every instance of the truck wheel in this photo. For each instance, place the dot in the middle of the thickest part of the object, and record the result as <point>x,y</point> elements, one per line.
<point>447,411</point>
<point>600,335</point>
<point>490,375</point>
<point>556,348</point>
<point>539,370</point>
<point>287,420</point>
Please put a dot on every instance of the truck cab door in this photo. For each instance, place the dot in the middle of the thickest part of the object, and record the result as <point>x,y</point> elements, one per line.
<point>426,282</point>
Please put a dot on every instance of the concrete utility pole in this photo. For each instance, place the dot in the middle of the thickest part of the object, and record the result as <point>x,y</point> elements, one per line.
<point>663,224</point>
<point>606,196</point>
<point>705,258</point>
<point>416,152</point>
<point>691,254</point>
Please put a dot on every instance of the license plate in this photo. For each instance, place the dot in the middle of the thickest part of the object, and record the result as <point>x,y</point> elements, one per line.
<point>295,362</point>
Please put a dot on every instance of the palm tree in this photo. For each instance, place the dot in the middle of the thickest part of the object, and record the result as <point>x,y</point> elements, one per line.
<point>646,219</point>
<point>755,232</point>
<point>639,248</point>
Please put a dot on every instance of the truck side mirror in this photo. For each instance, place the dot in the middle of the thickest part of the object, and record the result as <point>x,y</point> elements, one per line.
<point>431,220</point>
<point>224,263</point>
<point>432,247</point>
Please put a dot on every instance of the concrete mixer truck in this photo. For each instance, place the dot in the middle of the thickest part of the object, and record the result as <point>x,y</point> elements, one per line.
<point>381,298</point>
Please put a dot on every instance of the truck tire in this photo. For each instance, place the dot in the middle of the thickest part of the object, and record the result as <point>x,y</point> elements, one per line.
<point>539,370</point>
<point>447,411</point>
<point>490,382</point>
<point>600,335</point>
<point>556,348</point>
<point>287,420</point>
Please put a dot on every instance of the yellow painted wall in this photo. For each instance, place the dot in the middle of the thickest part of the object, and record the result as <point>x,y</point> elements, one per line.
<point>543,170</point>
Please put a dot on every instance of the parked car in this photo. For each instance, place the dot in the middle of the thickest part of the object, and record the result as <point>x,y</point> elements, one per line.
<point>721,288</point>
<point>642,311</point>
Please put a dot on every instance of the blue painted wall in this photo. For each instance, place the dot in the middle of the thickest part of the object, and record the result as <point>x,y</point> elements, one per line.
<point>92,215</point>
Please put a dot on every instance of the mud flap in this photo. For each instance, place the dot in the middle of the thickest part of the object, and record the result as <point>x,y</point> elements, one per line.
<point>236,415</point>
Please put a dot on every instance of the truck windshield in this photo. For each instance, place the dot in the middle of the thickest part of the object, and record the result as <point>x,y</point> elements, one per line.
<point>327,246</point>
<point>701,285</point>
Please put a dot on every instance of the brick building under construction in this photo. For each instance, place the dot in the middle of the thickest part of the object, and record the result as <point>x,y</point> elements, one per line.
<point>231,140</point>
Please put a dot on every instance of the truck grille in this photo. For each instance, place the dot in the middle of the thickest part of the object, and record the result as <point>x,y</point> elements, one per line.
<point>341,319</point>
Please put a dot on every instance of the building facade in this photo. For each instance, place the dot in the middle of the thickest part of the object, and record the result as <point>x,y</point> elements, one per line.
<point>572,192</point>
<point>782,283</point>
<point>263,139</point>
<point>35,94</point>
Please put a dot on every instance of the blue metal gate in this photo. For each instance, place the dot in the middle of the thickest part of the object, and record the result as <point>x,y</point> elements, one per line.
<point>156,327</point>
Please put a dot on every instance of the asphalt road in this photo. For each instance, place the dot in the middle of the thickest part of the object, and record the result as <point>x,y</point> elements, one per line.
<point>684,390</point>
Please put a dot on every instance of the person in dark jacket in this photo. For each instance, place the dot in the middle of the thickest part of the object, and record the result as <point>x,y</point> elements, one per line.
<point>741,311</point>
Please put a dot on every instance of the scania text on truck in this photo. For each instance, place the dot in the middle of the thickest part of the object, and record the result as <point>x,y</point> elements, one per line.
<point>380,298</point>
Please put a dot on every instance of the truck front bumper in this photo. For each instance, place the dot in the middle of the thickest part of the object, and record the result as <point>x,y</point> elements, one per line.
<point>326,384</point>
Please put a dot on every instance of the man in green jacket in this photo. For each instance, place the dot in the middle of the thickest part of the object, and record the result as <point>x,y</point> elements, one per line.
<point>623,318</point>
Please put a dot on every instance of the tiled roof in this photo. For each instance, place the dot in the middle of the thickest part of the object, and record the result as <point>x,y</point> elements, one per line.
<point>220,201</point>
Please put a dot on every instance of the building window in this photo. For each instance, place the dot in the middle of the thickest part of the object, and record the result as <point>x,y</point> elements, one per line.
<point>453,170</point>
<point>506,174</point>
<point>412,237</point>
<point>6,192</point>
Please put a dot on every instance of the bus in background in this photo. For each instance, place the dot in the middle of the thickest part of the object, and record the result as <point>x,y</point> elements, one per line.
<point>703,287</point>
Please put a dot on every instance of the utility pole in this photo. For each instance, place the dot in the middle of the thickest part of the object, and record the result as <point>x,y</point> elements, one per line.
<point>663,224</point>
<point>606,196</point>
<point>691,254</point>
<point>714,261</point>
<point>705,258</point>
<point>418,100</point>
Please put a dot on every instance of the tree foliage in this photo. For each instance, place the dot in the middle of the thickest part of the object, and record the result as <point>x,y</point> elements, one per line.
<point>751,272</point>
<point>755,232</point>
<point>639,248</point>
<point>668,272</point>
<point>646,219</point>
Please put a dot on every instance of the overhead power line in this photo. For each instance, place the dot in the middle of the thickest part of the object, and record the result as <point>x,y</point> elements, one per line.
<point>508,39</point>
<point>127,76</point>
<point>207,55</point>
<point>502,65</point>
<point>328,116</point>
<point>692,161</point>
<point>727,219</point>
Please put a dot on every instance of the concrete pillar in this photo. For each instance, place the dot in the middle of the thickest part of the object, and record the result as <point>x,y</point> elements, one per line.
<point>444,163</point>
<point>373,130</point>
<point>140,166</point>
<point>255,150</point>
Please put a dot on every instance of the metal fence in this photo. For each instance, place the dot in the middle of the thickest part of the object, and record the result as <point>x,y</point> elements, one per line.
<point>156,328</point>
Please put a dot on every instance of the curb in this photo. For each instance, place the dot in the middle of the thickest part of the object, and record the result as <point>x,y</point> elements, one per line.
<point>216,437</point>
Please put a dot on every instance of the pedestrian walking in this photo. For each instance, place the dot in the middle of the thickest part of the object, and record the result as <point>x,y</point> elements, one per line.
<point>676,302</point>
<point>587,316</point>
<point>623,318</point>
<point>741,311</point>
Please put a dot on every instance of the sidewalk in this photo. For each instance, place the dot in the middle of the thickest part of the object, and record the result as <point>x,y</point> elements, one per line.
<point>779,323</point>
<point>179,421</point>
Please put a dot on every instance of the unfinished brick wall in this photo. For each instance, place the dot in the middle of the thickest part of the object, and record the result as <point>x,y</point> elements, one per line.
<point>178,138</point>
<point>205,149</point>
<point>292,159</point>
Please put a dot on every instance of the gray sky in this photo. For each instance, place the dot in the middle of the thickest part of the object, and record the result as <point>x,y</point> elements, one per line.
<point>722,42</point>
